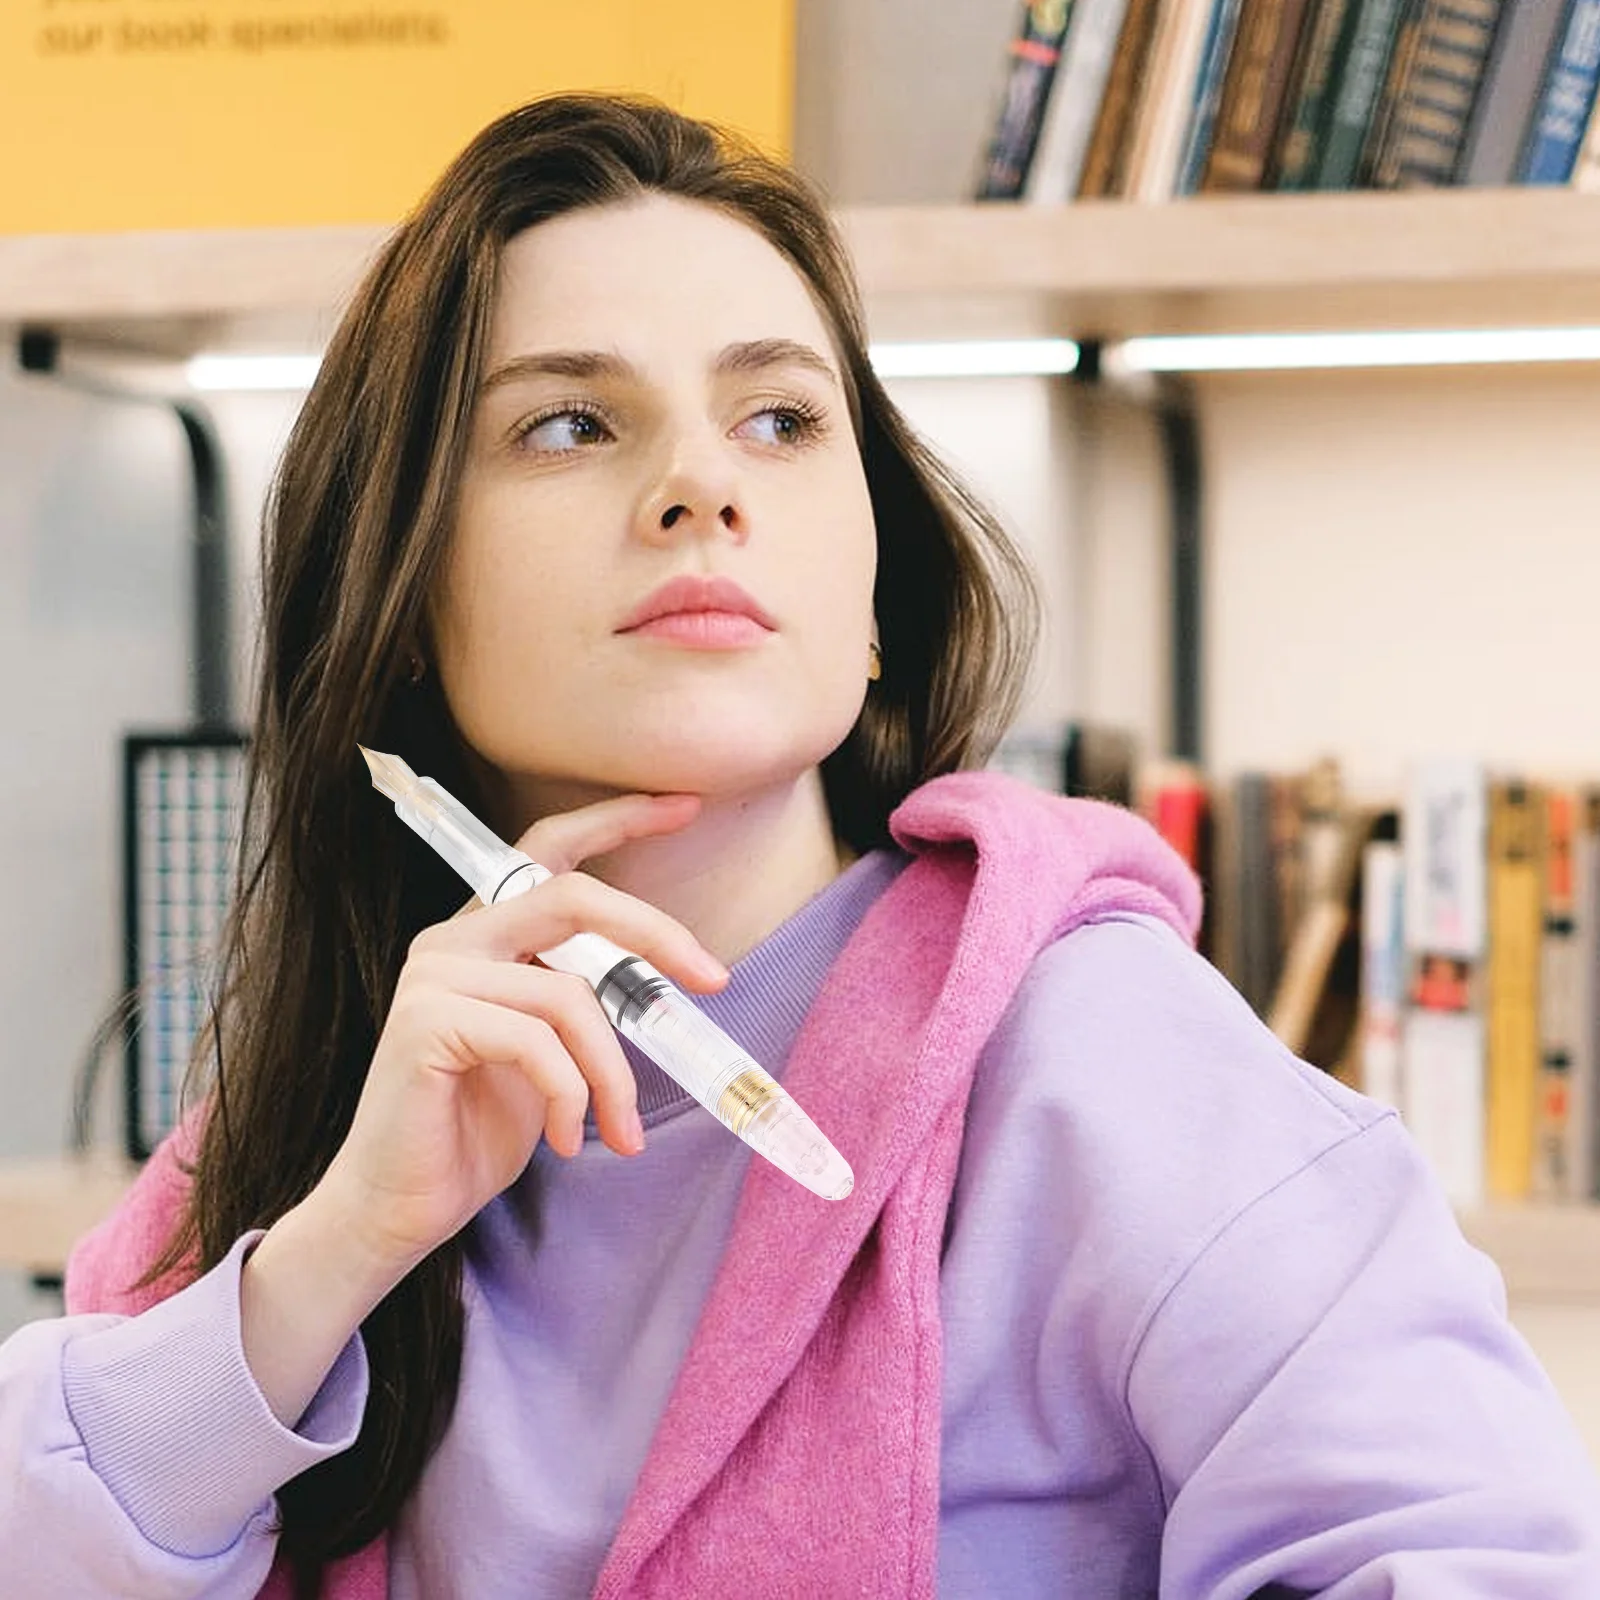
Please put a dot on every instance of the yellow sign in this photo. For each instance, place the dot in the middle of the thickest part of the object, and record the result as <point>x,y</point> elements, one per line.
<point>276,113</point>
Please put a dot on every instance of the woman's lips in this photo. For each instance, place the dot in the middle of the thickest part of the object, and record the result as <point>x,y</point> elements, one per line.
<point>699,612</point>
<point>703,630</point>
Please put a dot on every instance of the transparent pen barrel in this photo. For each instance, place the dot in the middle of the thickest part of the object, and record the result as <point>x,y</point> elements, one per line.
<point>736,1089</point>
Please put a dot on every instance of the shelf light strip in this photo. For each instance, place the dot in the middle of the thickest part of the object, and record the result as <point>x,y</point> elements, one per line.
<point>975,358</point>
<point>1283,352</point>
<point>1013,358</point>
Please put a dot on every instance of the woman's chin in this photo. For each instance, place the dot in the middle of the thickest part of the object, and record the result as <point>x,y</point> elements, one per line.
<point>720,764</point>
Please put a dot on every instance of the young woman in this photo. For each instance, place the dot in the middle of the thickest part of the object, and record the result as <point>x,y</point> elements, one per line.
<point>597,514</point>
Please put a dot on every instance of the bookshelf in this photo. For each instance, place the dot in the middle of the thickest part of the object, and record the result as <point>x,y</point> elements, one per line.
<point>1442,258</point>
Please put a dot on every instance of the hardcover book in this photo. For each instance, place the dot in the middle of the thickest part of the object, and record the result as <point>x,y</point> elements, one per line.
<point>1443,830</point>
<point>1074,101</point>
<point>1253,94</point>
<point>1429,129</point>
<point>1512,79</point>
<point>1516,927</point>
<point>1030,68</point>
<point>1566,102</point>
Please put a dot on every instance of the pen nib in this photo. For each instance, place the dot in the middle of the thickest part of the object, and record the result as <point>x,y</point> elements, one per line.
<point>391,777</point>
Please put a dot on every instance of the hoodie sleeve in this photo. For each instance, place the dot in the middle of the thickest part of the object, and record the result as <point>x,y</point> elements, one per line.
<point>1370,1426</point>
<point>138,1457</point>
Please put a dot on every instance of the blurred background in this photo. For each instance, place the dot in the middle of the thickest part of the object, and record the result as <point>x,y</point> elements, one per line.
<point>1302,603</point>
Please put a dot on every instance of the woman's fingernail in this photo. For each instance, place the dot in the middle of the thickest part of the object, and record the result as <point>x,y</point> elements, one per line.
<point>633,1130</point>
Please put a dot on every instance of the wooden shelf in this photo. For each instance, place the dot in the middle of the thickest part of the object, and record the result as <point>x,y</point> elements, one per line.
<point>1547,1253</point>
<point>1438,258</point>
<point>47,1205</point>
<point>1441,258</point>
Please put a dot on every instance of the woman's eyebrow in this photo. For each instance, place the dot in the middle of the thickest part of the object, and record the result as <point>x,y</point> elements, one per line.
<point>753,355</point>
<point>559,364</point>
<point>749,355</point>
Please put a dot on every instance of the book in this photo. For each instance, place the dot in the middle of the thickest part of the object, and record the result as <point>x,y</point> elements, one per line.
<point>1172,796</point>
<point>1566,101</point>
<point>1253,938</point>
<point>1358,82</point>
<point>1512,79</point>
<point>1402,51</point>
<point>1558,1006</point>
<point>1074,101</point>
<point>1383,963</point>
<point>1516,922</point>
<point>1253,93</point>
<point>1428,130</point>
<point>1220,34</point>
<point>1443,829</point>
<point>1106,160</point>
<point>1332,836</point>
<point>1030,68</point>
<point>1099,763</point>
<point>1294,163</point>
<point>1156,133</point>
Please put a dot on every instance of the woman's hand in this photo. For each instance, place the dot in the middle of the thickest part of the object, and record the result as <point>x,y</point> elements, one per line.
<point>482,1053</point>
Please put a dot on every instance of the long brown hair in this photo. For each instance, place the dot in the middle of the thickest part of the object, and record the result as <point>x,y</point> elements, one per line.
<point>357,524</point>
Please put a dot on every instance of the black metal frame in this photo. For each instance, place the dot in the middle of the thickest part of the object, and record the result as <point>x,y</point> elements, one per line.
<point>1178,426</point>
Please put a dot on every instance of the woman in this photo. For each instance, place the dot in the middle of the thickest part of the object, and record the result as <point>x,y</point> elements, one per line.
<point>597,514</point>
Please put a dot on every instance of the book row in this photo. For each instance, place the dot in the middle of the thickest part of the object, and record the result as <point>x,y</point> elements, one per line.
<point>1442,954</point>
<point>1154,99</point>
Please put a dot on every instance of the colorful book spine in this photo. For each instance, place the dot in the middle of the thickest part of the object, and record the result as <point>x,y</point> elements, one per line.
<point>1031,66</point>
<point>1156,144</point>
<point>1074,101</point>
<point>1295,161</point>
<point>1558,1000</point>
<point>1106,161</point>
<point>1511,83</point>
<point>1429,128</point>
<point>1516,924</point>
<point>1253,94</point>
<point>1383,965</point>
<point>1359,84</point>
<point>1401,56</point>
<point>1443,1038</point>
<point>1222,30</point>
<point>1566,102</point>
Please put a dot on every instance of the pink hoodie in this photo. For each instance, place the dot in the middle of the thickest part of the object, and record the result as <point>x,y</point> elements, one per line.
<point>803,1435</point>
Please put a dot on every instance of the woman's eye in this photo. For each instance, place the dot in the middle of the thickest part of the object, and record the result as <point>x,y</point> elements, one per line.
<point>562,431</point>
<point>780,425</point>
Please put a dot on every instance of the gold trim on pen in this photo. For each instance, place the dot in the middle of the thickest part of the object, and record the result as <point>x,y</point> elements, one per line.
<point>738,1104</point>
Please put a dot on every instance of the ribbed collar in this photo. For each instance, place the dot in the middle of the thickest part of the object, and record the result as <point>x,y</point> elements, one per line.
<point>773,986</point>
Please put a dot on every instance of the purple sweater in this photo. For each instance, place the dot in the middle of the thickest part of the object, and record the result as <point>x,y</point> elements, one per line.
<point>1209,1331</point>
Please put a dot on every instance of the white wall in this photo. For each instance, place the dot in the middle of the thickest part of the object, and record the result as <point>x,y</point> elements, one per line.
<point>1401,564</point>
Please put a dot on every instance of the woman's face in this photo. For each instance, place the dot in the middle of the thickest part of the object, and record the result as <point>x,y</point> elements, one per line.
<point>661,576</point>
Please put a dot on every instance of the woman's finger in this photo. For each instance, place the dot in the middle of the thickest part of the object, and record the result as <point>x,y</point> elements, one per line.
<point>568,838</point>
<point>561,842</point>
<point>475,1033</point>
<point>520,928</point>
<point>568,1005</point>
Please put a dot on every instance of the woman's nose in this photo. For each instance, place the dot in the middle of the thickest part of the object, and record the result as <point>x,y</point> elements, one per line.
<point>696,497</point>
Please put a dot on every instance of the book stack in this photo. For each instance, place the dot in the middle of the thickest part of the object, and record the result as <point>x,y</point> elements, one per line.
<point>1441,955</point>
<point>1150,100</point>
